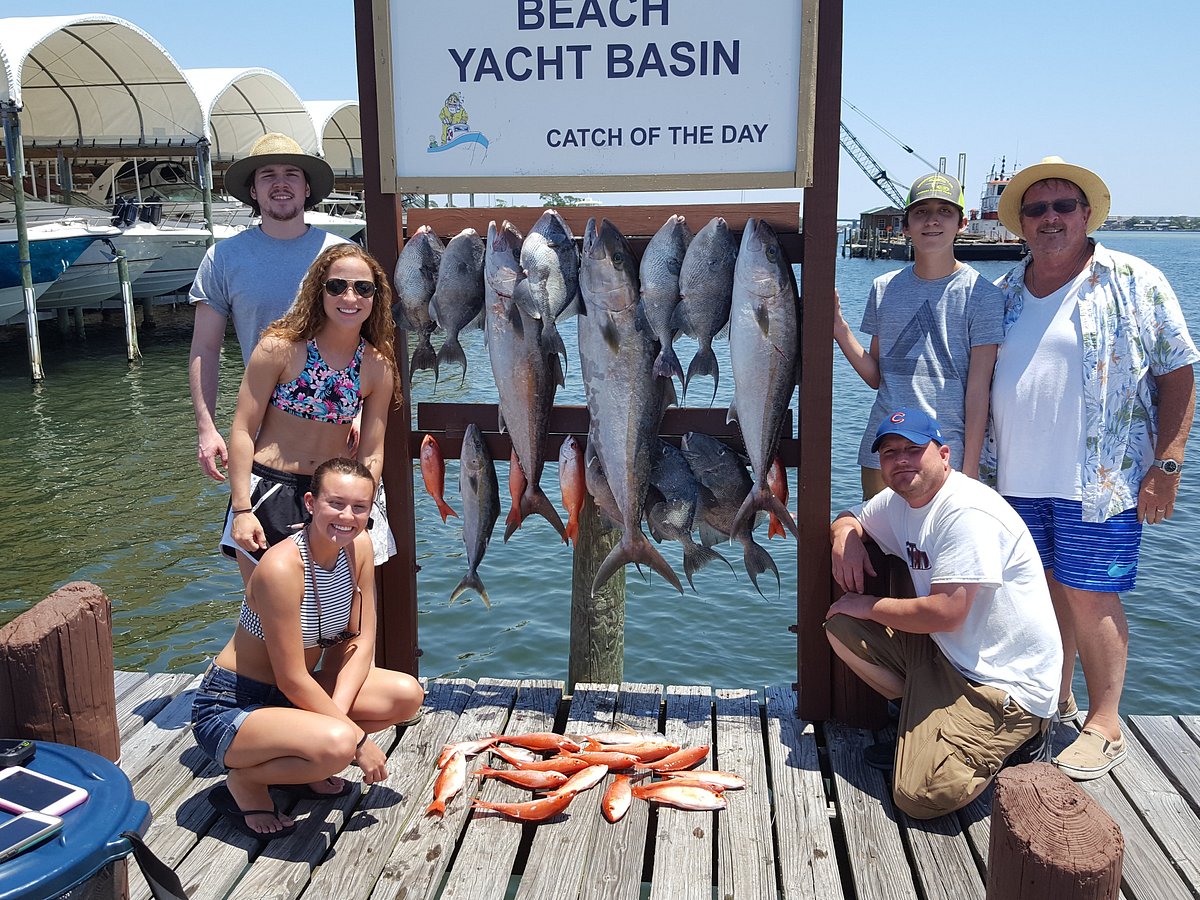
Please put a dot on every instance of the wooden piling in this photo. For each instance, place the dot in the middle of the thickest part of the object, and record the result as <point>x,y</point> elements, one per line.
<point>56,672</point>
<point>597,622</point>
<point>1050,840</point>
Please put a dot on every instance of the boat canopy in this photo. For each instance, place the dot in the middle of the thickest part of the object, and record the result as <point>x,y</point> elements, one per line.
<point>339,138</point>
<point>241,105</point>
<point>95,81</point>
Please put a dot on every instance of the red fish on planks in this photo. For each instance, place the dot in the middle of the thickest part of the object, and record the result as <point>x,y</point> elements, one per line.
<point>531,810</point>
<point>433,471</point>
<point>572,482</point>
<point>531,779</point>
<point>449,782</point>
<point>680,759</point>
<point>617,799</point>
<point>684,796</point>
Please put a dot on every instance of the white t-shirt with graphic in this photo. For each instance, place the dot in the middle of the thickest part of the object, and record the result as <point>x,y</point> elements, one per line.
<point>968,534</point>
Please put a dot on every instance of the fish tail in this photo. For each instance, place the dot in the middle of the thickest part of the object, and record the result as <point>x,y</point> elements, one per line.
<point>635,549</point>
<point>571,530</point>
<point>761,498</point>
<point>424,357</point>
<point>444,508</point>
<point>472,581</point>
<point>513,521</point>
<point>535,501</point>
<point>703,363</point>
<point>553,342</point>
<point>436,808</point>
<point>779,511</point>
<point>758,560</point>
<point>775,528</point>
<point>696,557</point>
<point>452,352</point>
<point>667,364</point>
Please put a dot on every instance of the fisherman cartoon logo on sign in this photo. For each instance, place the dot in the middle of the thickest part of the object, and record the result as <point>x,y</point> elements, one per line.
<point>530,88</point>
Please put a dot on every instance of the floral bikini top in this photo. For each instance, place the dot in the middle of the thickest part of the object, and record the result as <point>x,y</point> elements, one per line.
<point>321,393</point>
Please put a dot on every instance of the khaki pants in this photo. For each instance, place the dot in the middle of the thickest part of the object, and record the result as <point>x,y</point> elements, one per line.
<point>954,734</point>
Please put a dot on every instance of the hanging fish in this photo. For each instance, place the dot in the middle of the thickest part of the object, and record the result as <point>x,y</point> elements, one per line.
<point>481,507</point>
<point>572,483</point>
<point>433,473</point>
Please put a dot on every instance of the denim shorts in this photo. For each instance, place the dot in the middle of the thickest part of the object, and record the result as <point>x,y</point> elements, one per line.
<point>1089,556</point>
<point>221,705</point>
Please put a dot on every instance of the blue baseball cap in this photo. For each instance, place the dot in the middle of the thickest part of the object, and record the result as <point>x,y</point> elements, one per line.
<point>909,423</point>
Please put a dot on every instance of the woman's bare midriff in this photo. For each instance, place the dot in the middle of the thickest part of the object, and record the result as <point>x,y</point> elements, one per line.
<point>283,434</point>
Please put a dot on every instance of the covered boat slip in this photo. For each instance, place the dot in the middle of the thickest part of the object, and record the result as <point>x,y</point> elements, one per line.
<point>813,821</point>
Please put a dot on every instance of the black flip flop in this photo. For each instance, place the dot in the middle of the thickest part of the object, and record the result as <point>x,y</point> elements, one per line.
<point>222,801</point>
<point>306,792</point>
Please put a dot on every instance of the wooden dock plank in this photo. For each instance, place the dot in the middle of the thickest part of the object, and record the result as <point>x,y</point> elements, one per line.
<point>561,845</point>
<point>614,868</point>
<point>807,860</point>
<point>745,851</point>
<point>160,735</point>
<point>879,867</point>
<point>420,857</point>
<point>124,682</point>
<point>1175,751</point>
<point>1147,872</point>
<point>487,854</point>
<point>942,858</point>
<point>144,701</point>
<point>683,840</point>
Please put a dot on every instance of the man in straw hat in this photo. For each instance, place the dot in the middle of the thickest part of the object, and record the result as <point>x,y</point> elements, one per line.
<point>1091,407</point>
<point>253,276</point>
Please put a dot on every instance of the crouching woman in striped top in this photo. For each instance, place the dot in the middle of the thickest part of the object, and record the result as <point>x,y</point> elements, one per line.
<point>293,697</point>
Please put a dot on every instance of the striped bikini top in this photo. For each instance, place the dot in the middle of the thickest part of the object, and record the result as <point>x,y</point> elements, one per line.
<point>336,587</point>
<point>321,393</point>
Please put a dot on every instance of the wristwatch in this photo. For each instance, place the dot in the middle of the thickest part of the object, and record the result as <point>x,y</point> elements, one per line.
<point>1169,466</point>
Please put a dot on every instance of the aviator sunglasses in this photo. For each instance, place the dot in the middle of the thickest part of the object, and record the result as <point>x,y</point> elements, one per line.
<point>1062,207</point>
<point>335,287</point>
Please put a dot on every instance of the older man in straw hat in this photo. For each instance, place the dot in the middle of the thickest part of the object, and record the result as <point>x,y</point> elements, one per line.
<point>253,276</point>
<point>1092,403</point>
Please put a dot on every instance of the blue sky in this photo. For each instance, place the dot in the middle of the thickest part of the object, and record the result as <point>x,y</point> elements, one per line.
<point>1105,84</point>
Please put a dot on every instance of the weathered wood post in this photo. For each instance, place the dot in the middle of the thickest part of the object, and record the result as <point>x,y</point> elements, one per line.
<point>597,623</point>
<point>1050,840</point>
<point>56,672</point>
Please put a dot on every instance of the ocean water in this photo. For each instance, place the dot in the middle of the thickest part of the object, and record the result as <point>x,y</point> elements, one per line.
<point>98,481</point>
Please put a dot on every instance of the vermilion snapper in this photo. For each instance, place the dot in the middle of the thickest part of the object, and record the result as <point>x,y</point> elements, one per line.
<point>617,799</point>
<point>684,796</point>
<point>646,751</point>
<point>611,758</point>
<point>572,483</point>
<point>542,741</point>
<point>449,782</point>
<point>725,781</point>
<point>681,759</point>
<point>468,748</point>
<point>526,778</point>
<point>777,482</point>
<point>583,780</point>
<point>516,487</point>
<point>532,810</point>
<point>433,472</point>
<point>568,765</point>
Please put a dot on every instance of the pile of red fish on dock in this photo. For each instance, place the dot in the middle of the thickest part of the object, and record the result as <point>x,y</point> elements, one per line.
<point>561,767</point>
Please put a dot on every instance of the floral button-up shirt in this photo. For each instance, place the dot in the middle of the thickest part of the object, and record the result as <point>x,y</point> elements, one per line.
<point>1132,329</point>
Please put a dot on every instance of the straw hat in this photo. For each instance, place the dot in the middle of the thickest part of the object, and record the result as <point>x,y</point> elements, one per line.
<point>1089,182</point>
<point>275,149</point>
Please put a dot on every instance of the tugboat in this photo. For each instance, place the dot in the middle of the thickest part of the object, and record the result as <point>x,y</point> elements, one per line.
<point>985,237</point>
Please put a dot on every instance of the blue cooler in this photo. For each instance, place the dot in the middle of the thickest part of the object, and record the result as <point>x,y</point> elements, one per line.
<point>90,838</point>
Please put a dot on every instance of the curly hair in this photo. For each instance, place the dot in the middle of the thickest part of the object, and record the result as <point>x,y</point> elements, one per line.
<point>307,313</point>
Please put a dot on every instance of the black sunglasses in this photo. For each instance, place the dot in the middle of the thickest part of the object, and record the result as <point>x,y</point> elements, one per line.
<point>1062,207</point>
<point>335,287</point>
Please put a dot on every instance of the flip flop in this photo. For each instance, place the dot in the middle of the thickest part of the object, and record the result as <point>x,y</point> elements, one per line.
<point>222,801</point>
<point>306,792</point>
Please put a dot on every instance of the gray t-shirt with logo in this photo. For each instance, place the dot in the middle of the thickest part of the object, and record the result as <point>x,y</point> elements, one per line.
<point>253,278</point>
<point>926,330</point>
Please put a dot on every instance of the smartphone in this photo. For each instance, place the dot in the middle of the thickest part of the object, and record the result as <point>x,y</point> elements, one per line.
<point>22,791</point>
<point>22,831</point>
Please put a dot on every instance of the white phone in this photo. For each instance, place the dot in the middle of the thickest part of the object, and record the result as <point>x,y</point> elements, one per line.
<point>22,831</point>
<point>23,790</point>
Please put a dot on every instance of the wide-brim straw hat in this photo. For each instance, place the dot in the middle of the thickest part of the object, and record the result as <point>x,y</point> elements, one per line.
<point>1089,182</point>
<point>276,149</point>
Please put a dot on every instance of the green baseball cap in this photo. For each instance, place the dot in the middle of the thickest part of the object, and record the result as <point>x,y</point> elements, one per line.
<point>936,186</point>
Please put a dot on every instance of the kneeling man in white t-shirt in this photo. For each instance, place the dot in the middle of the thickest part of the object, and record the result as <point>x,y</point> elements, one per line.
<point>976,657</point>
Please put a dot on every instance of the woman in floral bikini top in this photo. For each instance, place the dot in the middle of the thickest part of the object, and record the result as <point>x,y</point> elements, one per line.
<point>326,361</point>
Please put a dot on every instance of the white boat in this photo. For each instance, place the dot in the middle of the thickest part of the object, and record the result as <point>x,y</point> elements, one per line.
<point>53,248</point>
<point>984,223</point>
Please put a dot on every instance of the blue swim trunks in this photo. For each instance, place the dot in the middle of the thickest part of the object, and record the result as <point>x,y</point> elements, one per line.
<point>1090,556</point>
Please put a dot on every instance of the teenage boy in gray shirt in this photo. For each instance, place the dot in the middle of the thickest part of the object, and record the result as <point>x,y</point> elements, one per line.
<point>935,328</point>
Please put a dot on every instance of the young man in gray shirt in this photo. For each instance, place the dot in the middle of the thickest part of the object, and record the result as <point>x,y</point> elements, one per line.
<point>254,275</point>
<point>935,328</point>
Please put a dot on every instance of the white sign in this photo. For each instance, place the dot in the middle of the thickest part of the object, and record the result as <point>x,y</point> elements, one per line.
<point>592,90</point>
